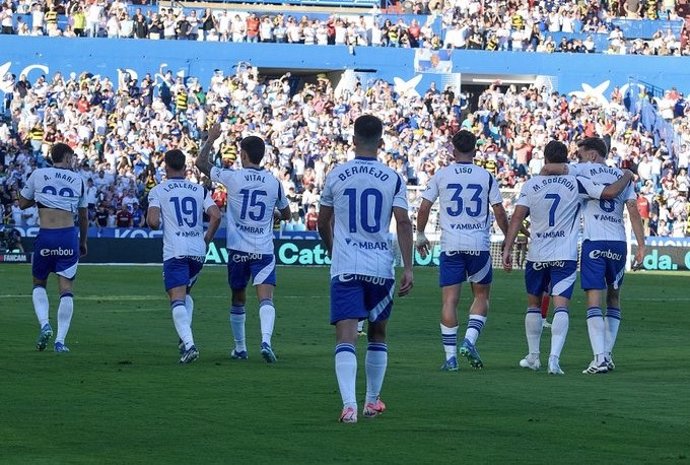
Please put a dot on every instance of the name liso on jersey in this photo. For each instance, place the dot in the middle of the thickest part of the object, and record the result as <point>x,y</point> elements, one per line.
<point>182,205</point>
<point>554,204</point>
<point>58,188</point>
<point>253,194</point>
<point>363,193</point>
<point>466,192</point>
<point>603,218</point>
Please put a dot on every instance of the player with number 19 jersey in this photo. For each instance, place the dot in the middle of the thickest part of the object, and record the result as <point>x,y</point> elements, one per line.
<point>185,203</point>
<point>253,194</point>
<point>363,193</point>
<point>466,194</point>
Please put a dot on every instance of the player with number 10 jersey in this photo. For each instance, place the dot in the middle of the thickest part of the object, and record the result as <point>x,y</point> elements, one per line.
<point>362,193</point>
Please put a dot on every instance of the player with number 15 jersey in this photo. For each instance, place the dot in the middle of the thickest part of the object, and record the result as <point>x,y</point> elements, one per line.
<point>254,194</point>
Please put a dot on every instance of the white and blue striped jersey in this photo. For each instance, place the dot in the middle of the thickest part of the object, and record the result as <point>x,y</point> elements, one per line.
<point>603,218</point>
<point>466,193</point>
<point>182,205</point>
<point>58,188</point>
<point>554,204</point>
<point>253,194</point>
<point>363,193</point>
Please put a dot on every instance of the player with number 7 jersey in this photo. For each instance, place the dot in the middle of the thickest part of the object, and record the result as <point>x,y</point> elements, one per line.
<point>553,204</point>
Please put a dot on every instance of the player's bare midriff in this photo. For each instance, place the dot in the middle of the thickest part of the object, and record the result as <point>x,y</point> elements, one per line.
<point>53,218</point>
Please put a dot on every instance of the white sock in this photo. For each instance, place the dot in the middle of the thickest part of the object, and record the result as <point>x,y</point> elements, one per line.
<point>559,330</point>
<point>474,327</point>
<point>533,328</point>
<point>346,372</point>
<point>376,362</point>
<point>613,321</point>
<point>449,336</point>
<point>189,305</point>
<point>267,315</point>
<point>41,305</point>
<point>64,316</point>
<point>237,319</point>
<point>596,328</point>
<point>181,321</point>
<point>360,326</point>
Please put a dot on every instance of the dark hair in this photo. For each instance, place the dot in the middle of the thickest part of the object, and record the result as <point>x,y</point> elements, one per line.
<point>594,143</point>
<point>175,159</point>
<point>59,151</point>
<point>255,148</point>
<point>368,129</point>
<point>556,152</point>
<point>464,141</point>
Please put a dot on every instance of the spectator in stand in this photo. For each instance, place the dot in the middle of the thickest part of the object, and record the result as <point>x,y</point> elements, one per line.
<point>123,219</point>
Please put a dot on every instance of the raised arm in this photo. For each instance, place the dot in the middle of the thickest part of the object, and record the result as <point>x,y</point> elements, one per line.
<point>203,160</point>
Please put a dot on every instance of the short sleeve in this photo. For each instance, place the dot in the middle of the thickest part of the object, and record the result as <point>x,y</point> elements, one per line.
<point>400,198</point>
<point>154,201</point>
<point>208,201</point>
<point>494,192</point>
<point>431,191</point>
<point>281,200</point>
<point>29,188</point>
<point>83,203</point>
<point>523,199</point>
<point>327,193</point>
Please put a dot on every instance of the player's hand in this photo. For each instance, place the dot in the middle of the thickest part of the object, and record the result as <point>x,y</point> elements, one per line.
<point>214,132</point>
<point>83,249</point>
<point>638,260</point>
<point>508,260</point>
<point>406,283</point>
<point>422,244</point>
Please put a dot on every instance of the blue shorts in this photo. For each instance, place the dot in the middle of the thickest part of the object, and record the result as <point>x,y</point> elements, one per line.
<point>556,277</point>
<point>56,251</point>
<point>356,297</point>
<point>458,267</point>
<point>602,264</point>
<point>244,265</point>
<point>181,271</point>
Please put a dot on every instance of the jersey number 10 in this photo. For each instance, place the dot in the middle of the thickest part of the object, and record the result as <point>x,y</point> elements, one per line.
<point>369,200</point>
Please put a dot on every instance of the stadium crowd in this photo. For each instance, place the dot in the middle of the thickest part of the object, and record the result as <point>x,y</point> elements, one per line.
<point>503,25</point>
<point>119,130</point>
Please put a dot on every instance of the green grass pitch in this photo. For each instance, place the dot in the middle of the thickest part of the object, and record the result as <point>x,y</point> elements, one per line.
<point>121,398</point>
